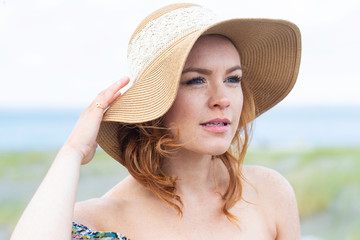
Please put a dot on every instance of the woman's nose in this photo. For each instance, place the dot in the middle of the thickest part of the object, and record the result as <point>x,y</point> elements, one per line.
<point>218,98</point>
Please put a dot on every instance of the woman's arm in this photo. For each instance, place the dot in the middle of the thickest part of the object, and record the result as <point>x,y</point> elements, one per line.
<point>49,213</point>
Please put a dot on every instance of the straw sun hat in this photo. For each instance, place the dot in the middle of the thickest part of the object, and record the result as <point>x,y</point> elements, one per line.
<point>269,51</point>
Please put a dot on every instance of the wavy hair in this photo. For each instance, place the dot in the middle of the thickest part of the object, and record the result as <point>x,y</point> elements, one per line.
<point>144,146</point>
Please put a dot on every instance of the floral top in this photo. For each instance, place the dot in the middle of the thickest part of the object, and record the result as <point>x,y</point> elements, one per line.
<point>80,231</point>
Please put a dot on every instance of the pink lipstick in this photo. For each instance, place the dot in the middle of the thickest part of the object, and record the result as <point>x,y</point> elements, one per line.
<point>217,125</point>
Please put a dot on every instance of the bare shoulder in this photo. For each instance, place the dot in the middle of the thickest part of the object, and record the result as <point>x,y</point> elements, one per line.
<point>269,182</point>
<point>277,197</point>
<point>93,212</point>
<point>101,213</point>
<point>97,212</point>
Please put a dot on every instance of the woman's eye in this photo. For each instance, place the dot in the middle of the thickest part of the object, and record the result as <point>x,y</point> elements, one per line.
<point>234,79</point>
<point>197,80</point>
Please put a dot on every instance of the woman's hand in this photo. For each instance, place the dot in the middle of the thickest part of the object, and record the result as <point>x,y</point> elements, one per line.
<point>53,203</point>
<point>82,140</point>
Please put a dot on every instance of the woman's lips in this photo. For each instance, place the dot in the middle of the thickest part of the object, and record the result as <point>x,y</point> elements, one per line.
<point>217,125</point>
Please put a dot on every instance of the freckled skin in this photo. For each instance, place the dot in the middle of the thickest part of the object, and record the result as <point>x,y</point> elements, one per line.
<point>215,96</point>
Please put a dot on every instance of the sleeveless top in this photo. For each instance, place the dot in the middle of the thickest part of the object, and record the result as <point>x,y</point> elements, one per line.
<point>80,231</point>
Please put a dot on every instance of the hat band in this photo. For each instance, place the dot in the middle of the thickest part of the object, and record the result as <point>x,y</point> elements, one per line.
<point>162,32</point>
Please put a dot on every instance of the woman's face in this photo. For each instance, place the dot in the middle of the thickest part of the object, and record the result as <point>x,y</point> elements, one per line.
<point>208,105</point>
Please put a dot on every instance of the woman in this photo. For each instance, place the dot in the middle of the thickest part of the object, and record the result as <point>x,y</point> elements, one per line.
<point>182,131</point>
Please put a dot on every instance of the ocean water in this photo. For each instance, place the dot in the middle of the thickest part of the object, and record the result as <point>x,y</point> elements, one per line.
<point>45,129</point>
<point>308,126</point>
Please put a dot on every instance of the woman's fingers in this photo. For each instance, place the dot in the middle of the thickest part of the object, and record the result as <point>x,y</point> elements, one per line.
<point>109,95</point>
<point>83,137</point>
<point>102,101</point>
<point>122,83</point>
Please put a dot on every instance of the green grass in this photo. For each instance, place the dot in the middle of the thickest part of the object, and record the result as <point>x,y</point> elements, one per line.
<point>326,182</point>
<point>10,211</point>
<point>23,166</point>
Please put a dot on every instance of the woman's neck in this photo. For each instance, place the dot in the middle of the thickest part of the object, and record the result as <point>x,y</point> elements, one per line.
<point>196,173</point>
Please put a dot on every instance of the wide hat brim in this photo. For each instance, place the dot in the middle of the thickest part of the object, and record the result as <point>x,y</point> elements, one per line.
<point>269,50</point>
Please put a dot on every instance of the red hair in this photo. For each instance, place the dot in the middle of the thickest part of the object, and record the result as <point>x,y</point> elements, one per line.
<point>144,147</point>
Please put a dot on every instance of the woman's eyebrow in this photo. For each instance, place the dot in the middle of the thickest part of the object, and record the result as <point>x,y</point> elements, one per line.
<point>198,70</point>
<point>208,72</point>
<point>237,67</point>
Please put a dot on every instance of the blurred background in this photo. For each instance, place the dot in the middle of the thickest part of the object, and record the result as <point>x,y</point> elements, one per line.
<point>56,55</point>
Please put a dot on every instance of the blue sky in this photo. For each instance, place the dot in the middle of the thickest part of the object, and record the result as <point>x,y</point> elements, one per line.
<point>61,53</point>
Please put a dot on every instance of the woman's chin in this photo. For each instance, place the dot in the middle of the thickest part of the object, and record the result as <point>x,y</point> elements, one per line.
<point>219,152</point>
<point>216,150</point>
<point>213,148</point>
